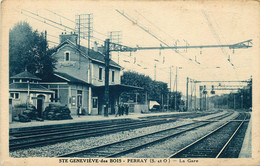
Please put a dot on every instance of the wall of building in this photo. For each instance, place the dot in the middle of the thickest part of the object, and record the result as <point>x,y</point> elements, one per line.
<point>77,66</point>
<point>138,108</point>
<point>74,94</point>
<point>23,99</point>
<point>95,75</point>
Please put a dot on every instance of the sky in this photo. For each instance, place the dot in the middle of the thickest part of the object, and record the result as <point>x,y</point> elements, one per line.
<point>179,22</point>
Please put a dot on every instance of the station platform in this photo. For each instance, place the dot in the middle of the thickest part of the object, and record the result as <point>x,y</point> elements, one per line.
<point>246,150</point>
<point>86,118</point>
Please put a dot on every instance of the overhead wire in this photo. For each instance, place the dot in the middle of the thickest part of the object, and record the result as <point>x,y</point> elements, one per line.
<point>175,44</point>
<point>219,39</point>
<point>149,32</point>
<point>74,22</point>
<point>43,22</point>
<point>236,74</point>
<point>52,35</point>
<point>53,43</point>
<point>55,23</point>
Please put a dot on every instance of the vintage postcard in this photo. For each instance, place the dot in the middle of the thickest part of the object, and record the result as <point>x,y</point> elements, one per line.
<point>130,82</point>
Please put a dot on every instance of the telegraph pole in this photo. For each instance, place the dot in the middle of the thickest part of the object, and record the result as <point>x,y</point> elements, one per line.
<point>155,72</point>
<point>241,100</point>
<point>169,94</point>
<point>187,94</point>
<point>79,30</point>
<point>106,95</point>
<point>206,102</point>
<point>191,94</point>
<point>176,79</point>
<point>234,101</point>
<point>195,97</point>
<point>201,97</point>
<point>89,15</point>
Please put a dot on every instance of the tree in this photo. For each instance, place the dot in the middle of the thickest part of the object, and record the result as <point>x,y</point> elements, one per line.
<point>238,100</point>
<point>29,49</point>
<point>156,90</point>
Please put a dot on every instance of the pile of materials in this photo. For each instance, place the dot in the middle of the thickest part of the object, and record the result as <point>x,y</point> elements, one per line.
<point>56,112</point>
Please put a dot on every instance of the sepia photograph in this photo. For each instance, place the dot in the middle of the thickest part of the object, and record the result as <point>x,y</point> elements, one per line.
<point>134,82</point>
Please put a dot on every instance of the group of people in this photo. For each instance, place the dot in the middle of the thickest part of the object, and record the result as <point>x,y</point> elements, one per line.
<point>122,109</point>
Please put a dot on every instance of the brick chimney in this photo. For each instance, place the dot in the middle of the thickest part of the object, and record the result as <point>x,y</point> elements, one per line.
<point>95,46</point>
<point>71,36</point>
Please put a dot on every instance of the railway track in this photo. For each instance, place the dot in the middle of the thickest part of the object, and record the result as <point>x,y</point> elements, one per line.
<point>62,134</point>
<point>223,142</point>
<point>69,127</point>
<point>122,147</point>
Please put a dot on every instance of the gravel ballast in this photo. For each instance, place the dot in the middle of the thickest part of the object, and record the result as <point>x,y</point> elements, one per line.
<point>170,146</point>
<point>158,150</point>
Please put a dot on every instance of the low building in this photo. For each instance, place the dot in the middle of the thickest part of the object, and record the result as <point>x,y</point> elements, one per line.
<point>25,88</point>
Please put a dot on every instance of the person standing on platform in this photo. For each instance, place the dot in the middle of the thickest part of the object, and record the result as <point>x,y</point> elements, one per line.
<point>123,109</point>
<point>116,110</point>
<point>126,109</point>
<point>79,110</point>
<point>120,109</point>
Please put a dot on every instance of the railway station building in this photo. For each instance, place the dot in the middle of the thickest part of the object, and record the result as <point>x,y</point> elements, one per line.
<point>79,78</point>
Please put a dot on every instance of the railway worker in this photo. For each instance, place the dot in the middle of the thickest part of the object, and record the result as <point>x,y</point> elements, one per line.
<point>120,109</point>
<point>126,109</point>
<point>116,110</point>
<point>123,109</point>
<point>79,110</point>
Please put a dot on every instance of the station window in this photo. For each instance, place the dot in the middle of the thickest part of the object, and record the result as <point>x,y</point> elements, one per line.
<point>100,74</point>
<point>94,102</point>
<point>67,56</point>
<point>79,92</point>
<point>79,98</point>
<point>54,97</point>
<point>15,95</point>
<point>113,76</point>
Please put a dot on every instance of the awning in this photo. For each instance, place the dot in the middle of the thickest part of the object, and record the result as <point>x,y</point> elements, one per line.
<point>152,103</point>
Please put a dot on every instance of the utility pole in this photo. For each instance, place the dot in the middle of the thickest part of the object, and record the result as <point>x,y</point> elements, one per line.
<point>195,97</point>
<point>176,78</point>
<point>162,103</point>
<point>88,33</point>
<point>79,42</point>
<point>169,95</point>
<point>234,101</point>
<point>241,100</point>
<point>191,94</point>
<point>201,100</point>
<point>155,72</point>
<point>79,31</point>
<point>206,102</point>
<point>187,94</point>
<point>106,95</point>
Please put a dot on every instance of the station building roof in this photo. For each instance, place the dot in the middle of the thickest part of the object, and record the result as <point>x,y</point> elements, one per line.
<point>64,77</point>
<point>23,87</point>
<point>25,75</point>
